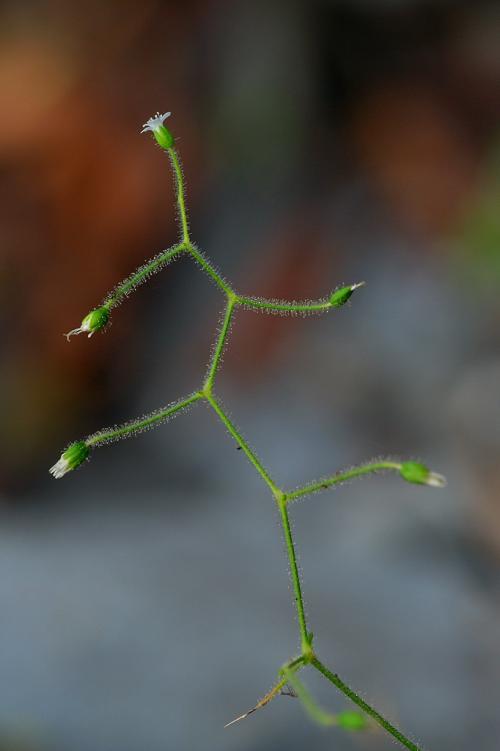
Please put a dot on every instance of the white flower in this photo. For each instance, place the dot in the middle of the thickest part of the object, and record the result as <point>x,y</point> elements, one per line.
<point>436,480</point>
<point>60,468</point>
<point>154,124</point>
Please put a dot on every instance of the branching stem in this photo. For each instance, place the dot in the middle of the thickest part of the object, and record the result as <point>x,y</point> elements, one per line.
<point>233,300</point>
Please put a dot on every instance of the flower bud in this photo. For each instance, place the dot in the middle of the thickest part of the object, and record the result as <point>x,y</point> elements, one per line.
<point>93,321</point>
<point>342,295</point>
<point>419,474</point>
<point>351,721</point>
<point>163,136</point>
<point>74,455</point>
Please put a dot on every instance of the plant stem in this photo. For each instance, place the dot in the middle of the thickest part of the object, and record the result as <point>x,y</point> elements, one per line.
<point>283,306</point>
<point>314,711</point>
<point>354,697</point>
<point>338,477</point>
<point>181,202</point>
<point>241,442</point>
<point>210,270</point>
<point>142,273</point>
<point>219,347</point>
<point>129,428</point>
<point>294,572</point>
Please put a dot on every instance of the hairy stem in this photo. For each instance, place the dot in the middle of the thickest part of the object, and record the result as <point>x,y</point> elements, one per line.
<point>283,306</point>
<point>294,573</point>
<point>181,201</point>
<point>142,273</point>
<point>361,703</point>
<point>134,426</point>
<point>241,442</point>
<point>210,270</point>
<point>338,477</point>
<point>219,347</point>
<point>78,452</point>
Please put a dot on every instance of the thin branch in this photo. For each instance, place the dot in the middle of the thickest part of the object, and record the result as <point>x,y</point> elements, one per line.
<point>362,704</point>
<point>141,423</point>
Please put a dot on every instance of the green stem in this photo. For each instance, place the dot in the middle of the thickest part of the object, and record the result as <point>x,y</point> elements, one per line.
<point>294,572</point>
<point>339,477</point>
<point>210,271</point>
<point>361,703</point>
<point>181,203</point>
<point>134,426</point>
<point>219,347</point>
<point>142,273</point>
<point>278,306</point>
<point>241,442</point>
<point>314,711</point>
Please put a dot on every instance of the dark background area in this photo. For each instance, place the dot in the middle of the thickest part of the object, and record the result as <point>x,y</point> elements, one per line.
<point>144,599</point>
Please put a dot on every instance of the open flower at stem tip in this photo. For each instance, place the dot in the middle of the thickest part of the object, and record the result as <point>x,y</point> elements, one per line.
<point>163,136</point>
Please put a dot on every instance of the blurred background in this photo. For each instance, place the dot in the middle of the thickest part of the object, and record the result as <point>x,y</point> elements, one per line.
<point>144,599</point>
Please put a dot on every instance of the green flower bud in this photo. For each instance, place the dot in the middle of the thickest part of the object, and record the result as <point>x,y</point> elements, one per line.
<point>74,455</point>
<point>352,721</point>
<point>163,136</point>
<point>419,474</point>
<point>341,295</point>
<point>93,321</point>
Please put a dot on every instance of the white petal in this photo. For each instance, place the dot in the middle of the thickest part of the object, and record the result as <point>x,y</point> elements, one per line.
<point>73,332</point>
<point>155,122</point>
<point>436,480</point>
<point>60,468</point>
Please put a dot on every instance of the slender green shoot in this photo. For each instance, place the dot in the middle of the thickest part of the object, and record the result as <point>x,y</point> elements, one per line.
<point>362,704</point>
<point>305,637</point>
<point>343,476</point>
<point>276,306</point>
<point>181,201</point>
<point>143,273</point>
<point>219,347</point>
<point>316,713</point>
<point>141,423</point>
<point>233,430</point>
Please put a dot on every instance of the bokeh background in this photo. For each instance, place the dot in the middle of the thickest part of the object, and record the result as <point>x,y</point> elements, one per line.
<point>144,599</point>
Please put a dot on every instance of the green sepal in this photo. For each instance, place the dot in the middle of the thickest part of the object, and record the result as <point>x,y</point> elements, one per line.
<point>341,296</point>
<point>351,721</point>
<point>415,472</point>
<point>76,454</point>
<point>95,320</point>
<point>163,137</point>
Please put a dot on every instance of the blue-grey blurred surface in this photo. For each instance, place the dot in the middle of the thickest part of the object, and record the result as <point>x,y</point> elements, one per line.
<point>144,599</point>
